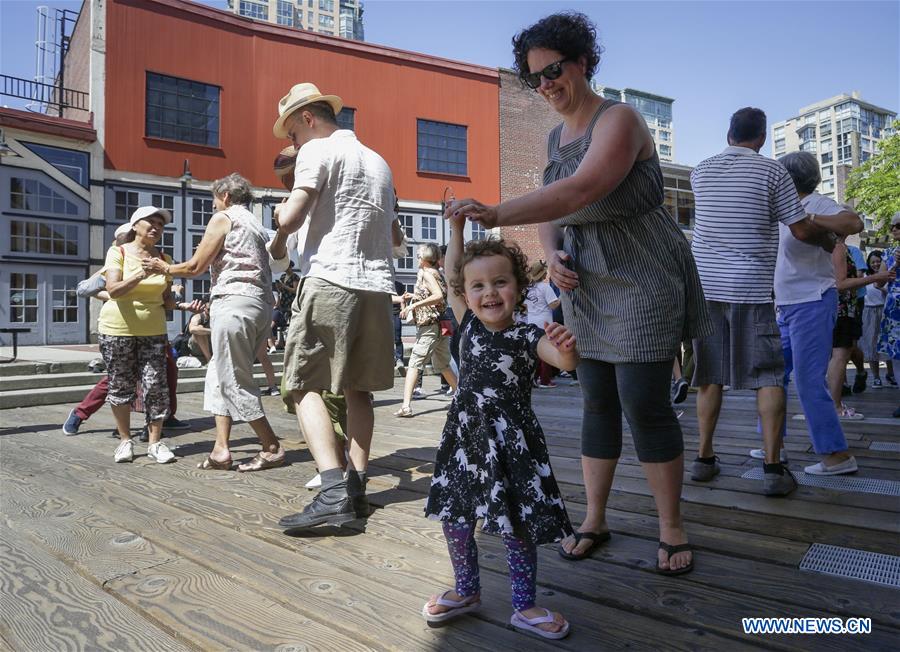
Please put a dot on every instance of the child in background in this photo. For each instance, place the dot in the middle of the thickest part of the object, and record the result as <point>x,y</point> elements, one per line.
<point>492,462</point>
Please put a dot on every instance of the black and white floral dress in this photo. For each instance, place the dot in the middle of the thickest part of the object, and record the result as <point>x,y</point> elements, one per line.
<point>492,462</point>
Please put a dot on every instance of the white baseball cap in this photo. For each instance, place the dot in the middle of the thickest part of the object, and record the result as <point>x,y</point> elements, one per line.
<point>122,230</point>
<point>147,211</point>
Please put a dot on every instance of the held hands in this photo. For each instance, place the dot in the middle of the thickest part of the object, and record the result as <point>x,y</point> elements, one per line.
<point>884,276</point>
<point>194,306</point>
<point>563,277</point>
<point>560,337</point>
<point>154,266</point>
<point>472,210</point>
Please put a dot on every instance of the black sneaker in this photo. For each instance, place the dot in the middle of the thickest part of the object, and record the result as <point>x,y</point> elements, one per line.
<point>323,510</point>
<point>176,424</point>
<point>859,383</point>
<point>145,435</point>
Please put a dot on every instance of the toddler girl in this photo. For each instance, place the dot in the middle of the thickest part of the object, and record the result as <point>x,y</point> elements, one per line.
<point>492,462</point>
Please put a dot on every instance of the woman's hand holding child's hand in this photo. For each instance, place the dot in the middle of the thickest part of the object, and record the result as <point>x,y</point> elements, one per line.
<point>560,336</point>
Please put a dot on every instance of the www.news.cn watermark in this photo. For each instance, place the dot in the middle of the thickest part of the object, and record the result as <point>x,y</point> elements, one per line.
<point>807,625</point>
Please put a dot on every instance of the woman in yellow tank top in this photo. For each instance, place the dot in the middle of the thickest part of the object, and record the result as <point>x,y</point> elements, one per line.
<point>132,330</point>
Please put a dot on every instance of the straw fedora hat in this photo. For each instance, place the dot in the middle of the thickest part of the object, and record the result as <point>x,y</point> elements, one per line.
<point>300,96</point>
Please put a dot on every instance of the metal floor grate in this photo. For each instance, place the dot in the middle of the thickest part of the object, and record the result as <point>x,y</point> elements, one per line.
<point>890,446</point>
<point>842,482</point>
<point>855,564</point>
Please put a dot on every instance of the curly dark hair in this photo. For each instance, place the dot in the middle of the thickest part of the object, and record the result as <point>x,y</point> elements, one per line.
<point>570,33</point>
<point>493,246</point>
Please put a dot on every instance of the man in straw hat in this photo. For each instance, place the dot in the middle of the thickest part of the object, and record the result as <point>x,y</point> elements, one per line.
<point>341,334</point>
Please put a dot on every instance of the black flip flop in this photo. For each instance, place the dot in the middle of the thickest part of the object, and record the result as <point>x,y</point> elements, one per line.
<point>596,538</point>
<point>672,550</point>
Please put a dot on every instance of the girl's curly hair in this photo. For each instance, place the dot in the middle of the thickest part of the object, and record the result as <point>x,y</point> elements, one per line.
<point>493,246</point>
<point>570,33</point>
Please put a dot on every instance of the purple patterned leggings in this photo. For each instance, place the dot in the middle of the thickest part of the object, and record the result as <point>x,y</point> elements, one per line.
<point>520,555</point>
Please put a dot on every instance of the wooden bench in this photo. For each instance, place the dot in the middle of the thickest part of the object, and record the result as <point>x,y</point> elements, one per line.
<point>15,344</point>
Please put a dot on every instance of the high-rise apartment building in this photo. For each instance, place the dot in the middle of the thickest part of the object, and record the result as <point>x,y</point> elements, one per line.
<point>333,17</point>
<point>842,132</point>
<point>657,111</point>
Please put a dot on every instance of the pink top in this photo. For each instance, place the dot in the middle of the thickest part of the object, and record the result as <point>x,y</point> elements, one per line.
<point>242,264</point>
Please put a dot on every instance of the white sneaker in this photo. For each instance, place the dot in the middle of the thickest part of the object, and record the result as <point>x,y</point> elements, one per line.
<point>418,393</point>
<point>760,454</point>
<point>315,483</point>
<point>847,466</point>
<point>847,413</point>
<point>160,452</point>
<point>124,451</point>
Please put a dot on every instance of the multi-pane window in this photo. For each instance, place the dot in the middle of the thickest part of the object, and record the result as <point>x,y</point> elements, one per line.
<point>429,227</point>
<point>43,238</point>
<point>309,18</point>
<point>406,222</point>
<point>442,147</point>
<point>827,171</point>
<point>778,132</point>
<point>326,5</point>
<point>23,298</point>
<point>824,129</point>
<point>163,201</point>
<point>126,202</point>
<point>285,13</point>
<point>180,109</point>
<point>195,240</point>
<point>664,136</point>
<point>166,243</point>
<point>779,144</point>
<point>346,119</point>
<point>32,195</point>
<point>478,231</point>
<point>665,150</point>
<point>408,261</point>
<point>827,157</point>
<point>844,150</point>
<point>200,289</point>
<point>254,10</point>
<point>326,21</point>
<point>71,162</point>
<point>63,299</point>
<point>202,211</point>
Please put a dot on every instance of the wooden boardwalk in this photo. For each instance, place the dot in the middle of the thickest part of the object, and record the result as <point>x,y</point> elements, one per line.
<point>96,555</point>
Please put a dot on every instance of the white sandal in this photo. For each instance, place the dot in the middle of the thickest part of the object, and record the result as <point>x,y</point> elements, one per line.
<point>530,625</point>
<point>456,607</point>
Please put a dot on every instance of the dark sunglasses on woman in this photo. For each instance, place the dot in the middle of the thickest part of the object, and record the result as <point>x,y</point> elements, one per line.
<point>551,72</point>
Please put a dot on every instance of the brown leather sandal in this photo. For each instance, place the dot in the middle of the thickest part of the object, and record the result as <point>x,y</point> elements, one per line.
<point>209,464</point>
<point>260,463</point>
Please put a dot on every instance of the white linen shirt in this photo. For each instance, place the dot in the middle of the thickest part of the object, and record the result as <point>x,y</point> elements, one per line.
<point>804,271</point>
<point>348,241</point>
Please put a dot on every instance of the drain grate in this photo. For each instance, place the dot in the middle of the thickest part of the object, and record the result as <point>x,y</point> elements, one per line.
<point>855,564</point>
<point>891,446</point>
<point>841,482</point>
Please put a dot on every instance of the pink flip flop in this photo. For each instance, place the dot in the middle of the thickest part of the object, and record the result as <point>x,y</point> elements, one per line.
<point>457,607</point>
<point>530,625</point>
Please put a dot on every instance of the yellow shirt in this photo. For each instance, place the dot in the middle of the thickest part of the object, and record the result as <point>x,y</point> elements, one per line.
<point>140,312</point>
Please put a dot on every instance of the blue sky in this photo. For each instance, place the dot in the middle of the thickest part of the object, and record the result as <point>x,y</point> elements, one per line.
<point>712,57</point>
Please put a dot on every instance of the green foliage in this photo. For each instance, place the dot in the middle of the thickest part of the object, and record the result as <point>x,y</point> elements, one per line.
<point>875,185</point>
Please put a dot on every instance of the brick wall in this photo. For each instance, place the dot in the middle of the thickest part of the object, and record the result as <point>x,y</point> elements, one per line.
<point>78,57</point>
<point>525,122</point>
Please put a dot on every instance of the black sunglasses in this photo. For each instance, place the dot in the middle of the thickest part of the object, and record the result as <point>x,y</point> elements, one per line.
<point>553,71</point>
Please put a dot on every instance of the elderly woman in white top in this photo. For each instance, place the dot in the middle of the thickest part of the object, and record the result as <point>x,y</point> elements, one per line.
<point>234,249</point>
<point>806,298</point>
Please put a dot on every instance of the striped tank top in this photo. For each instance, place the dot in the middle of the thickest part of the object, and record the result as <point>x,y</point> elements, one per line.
<point>639,294</point>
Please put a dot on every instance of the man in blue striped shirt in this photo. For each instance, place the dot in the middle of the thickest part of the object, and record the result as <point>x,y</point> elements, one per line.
<point>741,197</point>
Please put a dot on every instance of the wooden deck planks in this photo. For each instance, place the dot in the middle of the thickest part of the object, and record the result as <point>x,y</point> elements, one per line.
<point>170,544</point>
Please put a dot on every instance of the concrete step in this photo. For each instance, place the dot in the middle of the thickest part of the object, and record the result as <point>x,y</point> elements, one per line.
<point>75,393</point>
<point>80,378</point>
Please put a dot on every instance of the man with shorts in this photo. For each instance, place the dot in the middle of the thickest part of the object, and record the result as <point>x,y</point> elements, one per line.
<point>740,198</point>
<point>340,337</point>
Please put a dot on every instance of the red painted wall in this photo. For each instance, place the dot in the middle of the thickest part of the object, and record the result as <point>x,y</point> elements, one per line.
<point>257,63</point>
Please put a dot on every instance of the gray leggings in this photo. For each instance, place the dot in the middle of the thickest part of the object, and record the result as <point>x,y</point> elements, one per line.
<point>642,392</point>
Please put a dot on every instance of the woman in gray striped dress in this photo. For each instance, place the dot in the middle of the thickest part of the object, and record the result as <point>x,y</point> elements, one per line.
<point>631,289</point>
